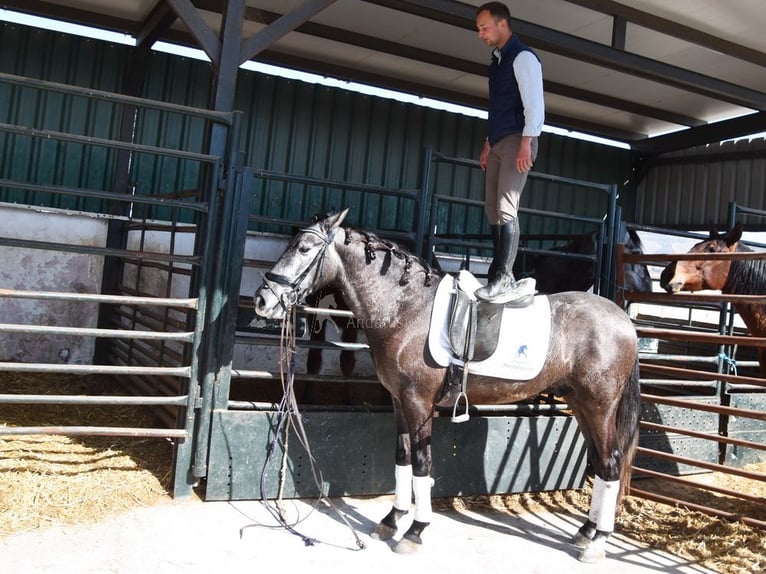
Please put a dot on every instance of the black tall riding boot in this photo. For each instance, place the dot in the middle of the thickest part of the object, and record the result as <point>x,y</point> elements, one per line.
<point>503,288</point>
<point>492,271</point>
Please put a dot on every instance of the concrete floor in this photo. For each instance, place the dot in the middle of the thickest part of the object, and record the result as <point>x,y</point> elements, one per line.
<point>228,538</point>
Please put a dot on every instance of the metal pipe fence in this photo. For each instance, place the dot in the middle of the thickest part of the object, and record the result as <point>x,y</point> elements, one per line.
<point>695,420</point>
<point>156,257</point>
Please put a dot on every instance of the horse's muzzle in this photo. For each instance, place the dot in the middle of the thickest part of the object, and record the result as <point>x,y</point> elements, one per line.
<point>673,287</point>
<point>267,304</point>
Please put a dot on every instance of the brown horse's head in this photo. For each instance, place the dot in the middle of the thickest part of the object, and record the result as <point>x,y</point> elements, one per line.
<point>702,274</point>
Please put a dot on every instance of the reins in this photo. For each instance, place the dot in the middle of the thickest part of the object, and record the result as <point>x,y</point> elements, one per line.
<point>288,414</point>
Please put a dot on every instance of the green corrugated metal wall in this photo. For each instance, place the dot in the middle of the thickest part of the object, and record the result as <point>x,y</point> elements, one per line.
<point>290,126</point>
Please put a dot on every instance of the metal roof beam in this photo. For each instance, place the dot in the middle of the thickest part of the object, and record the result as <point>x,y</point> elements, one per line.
<point>569,46</point>
<point>674,29</point>
<point>158,22</point>
<point>202,33</point>
<point>711,133</point>
<point>280,27</point>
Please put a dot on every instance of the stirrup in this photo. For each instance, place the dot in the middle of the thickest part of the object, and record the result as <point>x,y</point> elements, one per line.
<point>463,417</point>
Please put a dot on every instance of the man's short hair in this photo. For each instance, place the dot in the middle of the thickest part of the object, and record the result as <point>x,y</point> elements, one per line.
<point>497,10</point>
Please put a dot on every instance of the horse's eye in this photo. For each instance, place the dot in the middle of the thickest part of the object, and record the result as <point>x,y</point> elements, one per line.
<point>303,248</point>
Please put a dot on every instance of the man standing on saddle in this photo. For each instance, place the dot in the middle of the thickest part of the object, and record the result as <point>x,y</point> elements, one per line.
<point>516,115</point>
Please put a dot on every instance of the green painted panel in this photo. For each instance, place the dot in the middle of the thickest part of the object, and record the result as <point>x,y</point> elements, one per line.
<point>355,452</point>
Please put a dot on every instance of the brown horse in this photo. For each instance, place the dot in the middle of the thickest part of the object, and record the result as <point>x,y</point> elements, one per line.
<point>746,277</point>
<point>591,359</point>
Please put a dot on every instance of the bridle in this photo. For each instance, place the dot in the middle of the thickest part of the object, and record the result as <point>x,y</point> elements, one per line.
<point>289,297</point>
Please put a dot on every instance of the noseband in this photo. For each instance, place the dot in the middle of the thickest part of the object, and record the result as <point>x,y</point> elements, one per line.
<point>289,297</point>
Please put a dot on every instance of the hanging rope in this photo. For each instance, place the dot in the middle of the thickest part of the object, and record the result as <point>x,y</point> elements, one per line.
<point>289,419</point>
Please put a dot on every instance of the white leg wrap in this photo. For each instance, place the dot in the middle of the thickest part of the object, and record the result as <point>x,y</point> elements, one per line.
<point>421,485</point>
<point>403,490</point>
<point>603,503</point>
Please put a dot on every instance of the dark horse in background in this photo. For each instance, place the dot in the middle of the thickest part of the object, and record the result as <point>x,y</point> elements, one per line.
<point>746,277</point>
<point>556,274</point>
<point>591,360</point>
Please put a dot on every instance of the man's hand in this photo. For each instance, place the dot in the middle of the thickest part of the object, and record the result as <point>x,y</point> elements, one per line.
<point>484,155</point>
<point>524,157</point>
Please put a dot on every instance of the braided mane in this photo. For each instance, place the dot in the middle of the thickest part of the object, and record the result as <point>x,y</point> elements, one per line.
<point>373,244</point>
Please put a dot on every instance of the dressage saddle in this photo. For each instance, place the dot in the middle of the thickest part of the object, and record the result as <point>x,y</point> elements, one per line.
<point>474,330</point>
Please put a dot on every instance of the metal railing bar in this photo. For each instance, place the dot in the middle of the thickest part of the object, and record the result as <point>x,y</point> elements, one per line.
<point>201,206</point>
<point>701,464</point>
<point>99,298</point>
<point>130,256</point>
<point>684,297</point>
<point>95,431</point>
<point>305,344</point>
<point>702,435</point>
<point>693,336</point>
<point>665,370</point>
<point>34,83</point>
<point>93,369</point>
<point>687,404</point>
<point>645,472</point>
<point>107,143</point>
<point>709,256</point>
<point>677,382</point>
<point>272,407</point>
<point>94,400</point>
<point>92,332</point>
<point>646,355</point>
<point>267,375</point>
<point>489,409</point>
<point>325,311</point>
<point>318,182</point>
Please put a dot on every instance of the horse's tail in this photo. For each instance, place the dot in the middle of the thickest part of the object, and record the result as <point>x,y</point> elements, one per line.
<point>628,415</point>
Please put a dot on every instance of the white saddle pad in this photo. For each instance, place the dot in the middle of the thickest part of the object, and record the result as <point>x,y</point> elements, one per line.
<point>524,334</point>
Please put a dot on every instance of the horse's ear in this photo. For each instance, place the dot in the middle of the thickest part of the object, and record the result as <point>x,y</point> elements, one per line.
<point>334,220</point>
<point>712,230</point>
<point>734,235</point>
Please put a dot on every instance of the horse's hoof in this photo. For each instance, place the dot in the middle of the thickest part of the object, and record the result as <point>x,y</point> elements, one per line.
<point>383,532</point>
<point>594,552</point>
<point>408,546</point>
<point>585,535</point>
<point>580,540</point>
